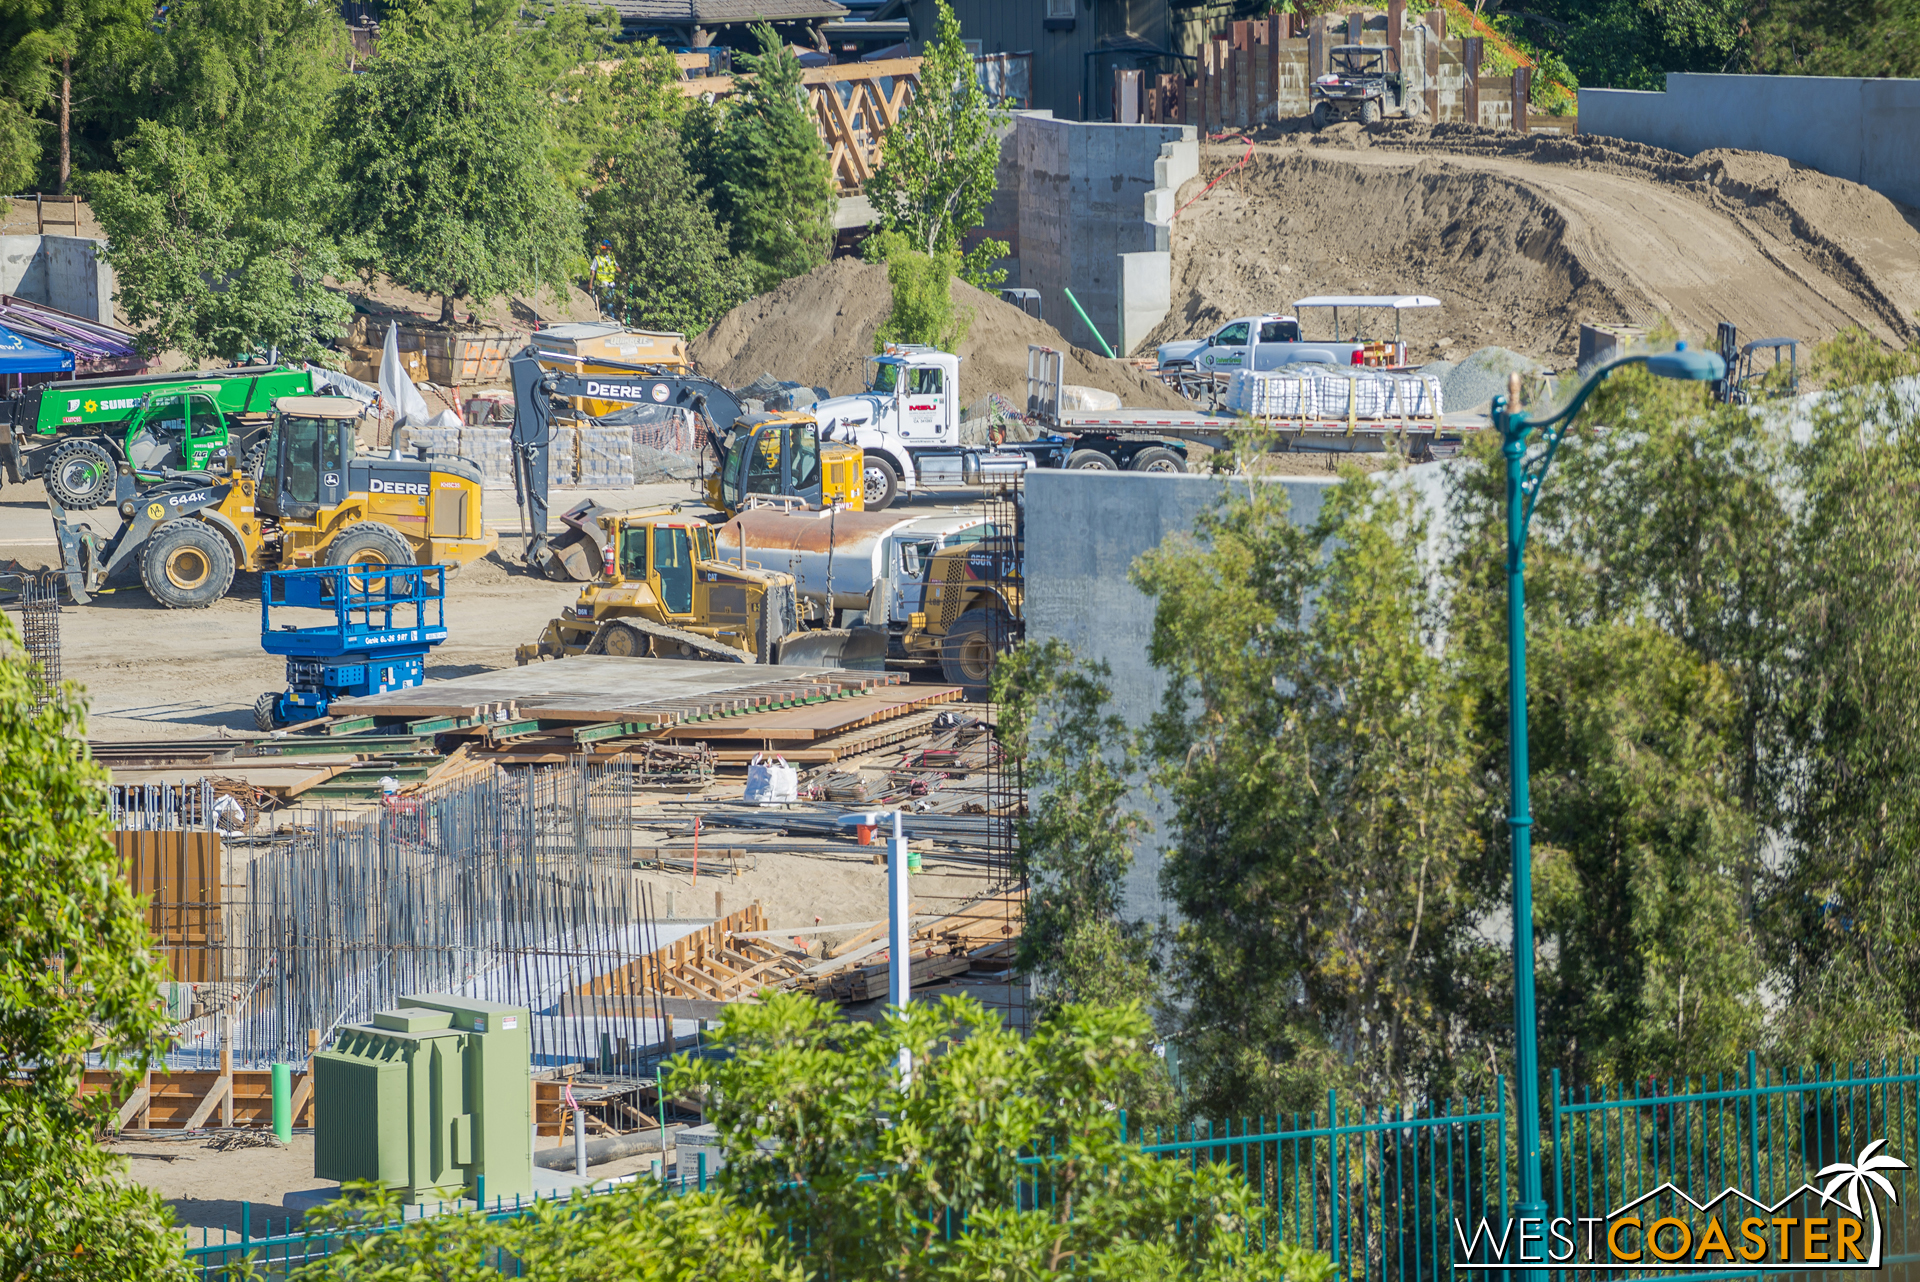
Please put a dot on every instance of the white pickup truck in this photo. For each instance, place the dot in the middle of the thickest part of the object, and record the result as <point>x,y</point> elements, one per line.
<point>1272,340</point>
<point>907,424</point>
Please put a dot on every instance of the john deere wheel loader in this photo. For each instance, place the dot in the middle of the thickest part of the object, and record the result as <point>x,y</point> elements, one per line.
<point>662,592</point>
<point>315,503</point>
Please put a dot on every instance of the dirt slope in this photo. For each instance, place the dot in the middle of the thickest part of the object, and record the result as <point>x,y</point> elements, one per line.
<point>1524,238</point>
<point>818,329</point>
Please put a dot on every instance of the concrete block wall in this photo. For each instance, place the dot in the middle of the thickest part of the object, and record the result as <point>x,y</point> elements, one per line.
<point>1089,197</point>
<point>1866,131</point>
<point>67,272</point>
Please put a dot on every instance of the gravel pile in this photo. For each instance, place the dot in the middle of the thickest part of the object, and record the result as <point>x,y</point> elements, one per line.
<point>1472,383</point>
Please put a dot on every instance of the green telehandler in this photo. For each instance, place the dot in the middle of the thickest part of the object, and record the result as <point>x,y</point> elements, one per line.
<point>76,437</point>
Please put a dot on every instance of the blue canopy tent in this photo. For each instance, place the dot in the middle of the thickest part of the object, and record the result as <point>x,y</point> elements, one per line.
<point>21,355</point>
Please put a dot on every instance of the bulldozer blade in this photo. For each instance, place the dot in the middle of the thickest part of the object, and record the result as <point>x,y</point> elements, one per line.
<point>860,649</point>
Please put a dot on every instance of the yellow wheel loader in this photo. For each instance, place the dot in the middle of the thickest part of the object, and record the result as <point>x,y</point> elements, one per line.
<point>662,592</point>
<point>316,502</point>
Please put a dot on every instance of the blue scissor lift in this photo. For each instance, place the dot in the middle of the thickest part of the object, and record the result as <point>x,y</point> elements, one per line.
<point>385,620</point>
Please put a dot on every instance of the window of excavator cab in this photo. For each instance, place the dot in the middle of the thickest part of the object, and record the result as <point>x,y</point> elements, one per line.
<point>806,456</point>
<point>886,377</point>
<point>1232,335</point>
<point>925,381</point>
<point>703,544</point>
<point>1280,331</point>
<point>302,445</point>
<point>763,463</point>
<point>738,444</point>
<point>633,552</point>
<point>673,562</point>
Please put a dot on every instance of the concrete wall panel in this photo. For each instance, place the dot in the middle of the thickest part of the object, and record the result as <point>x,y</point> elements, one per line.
<point>67,272</point>
<point>1860,130</point>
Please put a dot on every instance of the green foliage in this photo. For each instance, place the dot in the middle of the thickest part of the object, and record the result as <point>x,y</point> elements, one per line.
<point>202,268</point>
<point>1829,38</point>
<point>868,1171</point>
<point>76,974</point>
<point>444,156</point>
<point>764,166</point>
<point>937,173</point>
<point>53,47</point>
<point>637,1231</point>
<point>922,309</point>
<point>1632,44</point>
<point>1320,771</point>
<point>1076,844</point>
<point>676,271</point>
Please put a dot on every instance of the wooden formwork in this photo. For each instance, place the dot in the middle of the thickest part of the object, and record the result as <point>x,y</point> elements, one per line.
<point>853,107</point>
<point>184,1101</point>
<point>180,874</point>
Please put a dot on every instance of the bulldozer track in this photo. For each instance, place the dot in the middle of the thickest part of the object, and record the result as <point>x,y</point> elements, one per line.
<point>705,647</point>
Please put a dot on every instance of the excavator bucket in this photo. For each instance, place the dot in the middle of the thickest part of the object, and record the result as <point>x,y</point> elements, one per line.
<point>860,648</point>
<point>576,554</point>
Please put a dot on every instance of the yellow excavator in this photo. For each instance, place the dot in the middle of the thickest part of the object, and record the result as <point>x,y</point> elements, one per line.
<point>780,456</point>
<point>316,502</point>
<point>662,592</point>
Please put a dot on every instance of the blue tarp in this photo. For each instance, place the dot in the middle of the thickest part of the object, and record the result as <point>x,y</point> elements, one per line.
<point>21,355</point>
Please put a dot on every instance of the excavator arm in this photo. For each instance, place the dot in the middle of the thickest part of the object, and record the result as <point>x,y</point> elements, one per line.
<point>536,393</point>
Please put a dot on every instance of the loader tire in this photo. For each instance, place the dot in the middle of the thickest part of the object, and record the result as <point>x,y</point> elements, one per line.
<point>186,565</point>
<point>80,475</point>
<point>266,710</point>
<point>1091,461</point>
<point>879,483</point>
<point>369,543</point>
<point>967,651</point>
<point>1157,458</point>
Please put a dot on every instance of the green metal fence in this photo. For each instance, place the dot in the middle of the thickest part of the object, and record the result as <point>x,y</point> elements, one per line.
<point>1381,1191</point>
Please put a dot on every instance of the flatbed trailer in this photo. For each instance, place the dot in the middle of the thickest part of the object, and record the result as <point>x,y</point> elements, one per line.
<point>1420,437</point>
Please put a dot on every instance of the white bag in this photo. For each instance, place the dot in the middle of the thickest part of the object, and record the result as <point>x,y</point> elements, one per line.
<point>770,783</point>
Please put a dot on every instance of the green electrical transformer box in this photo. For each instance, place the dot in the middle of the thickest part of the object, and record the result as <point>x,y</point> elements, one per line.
<point>428,1099</point>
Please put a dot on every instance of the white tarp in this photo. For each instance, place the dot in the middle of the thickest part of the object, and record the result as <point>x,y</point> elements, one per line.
<point>1332,392</point>
<point>399,396</point>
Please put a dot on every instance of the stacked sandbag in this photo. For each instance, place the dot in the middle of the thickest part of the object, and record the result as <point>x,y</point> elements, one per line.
<point>1330,392</point>
<point>491,450</point>
<point>606,457</point>
<point>563,456</point>
<point>438,440</point>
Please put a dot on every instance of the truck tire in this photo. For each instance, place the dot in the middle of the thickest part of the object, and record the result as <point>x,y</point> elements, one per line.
<point>186,565</point>
<point>1157,458</point>
<point>1091,461</point>
<point>966,652</point>
<point>79,475</point>
<point>1370,112</point>
<point>369,543</point>
<point>879,481</point>
<point>266,715</point>
<point>1322,115</point>
<point>254,462</point>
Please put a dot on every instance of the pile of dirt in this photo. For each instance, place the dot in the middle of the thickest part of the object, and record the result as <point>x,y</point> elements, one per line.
<point>819,329</point>
<point>1524,237</point>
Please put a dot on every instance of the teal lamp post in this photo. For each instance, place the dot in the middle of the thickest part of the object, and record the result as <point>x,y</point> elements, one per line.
<point>1524,476</point>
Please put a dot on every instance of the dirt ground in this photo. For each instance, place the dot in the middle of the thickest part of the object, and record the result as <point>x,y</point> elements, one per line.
<point>819,328</point>
<point>1522,238</point>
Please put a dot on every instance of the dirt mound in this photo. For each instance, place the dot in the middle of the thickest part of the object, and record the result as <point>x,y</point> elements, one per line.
<point>819,328</point>
<point>1523,238</point>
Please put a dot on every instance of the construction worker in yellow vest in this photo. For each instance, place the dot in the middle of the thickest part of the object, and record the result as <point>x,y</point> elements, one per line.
<point>602,271</point>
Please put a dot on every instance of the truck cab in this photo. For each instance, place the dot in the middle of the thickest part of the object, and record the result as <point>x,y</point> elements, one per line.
<point>1253,342</point>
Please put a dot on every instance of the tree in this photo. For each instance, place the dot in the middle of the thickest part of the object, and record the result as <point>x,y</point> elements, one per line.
<point>922,308</point>
<point>1076,843</point>
<point>1827,38</point>
<point>1315,751</point>
<point>938,169</point>
<point>765,168</point>
<point>76,974</point>
<point>676,271</point>
<point>444,156</point>
<point>44,39</point>
<point>204,268</point>
<point>874,1176</point>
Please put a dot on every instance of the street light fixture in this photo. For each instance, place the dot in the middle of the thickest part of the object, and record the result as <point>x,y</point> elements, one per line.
<point>1524,477</point>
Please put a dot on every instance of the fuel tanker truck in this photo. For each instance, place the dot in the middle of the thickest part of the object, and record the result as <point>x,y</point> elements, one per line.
<point>835,558</point>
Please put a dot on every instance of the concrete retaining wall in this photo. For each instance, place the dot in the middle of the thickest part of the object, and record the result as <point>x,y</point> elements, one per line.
<point>1861,130</point>
<point>1094,205</point>
<point>66,272</point>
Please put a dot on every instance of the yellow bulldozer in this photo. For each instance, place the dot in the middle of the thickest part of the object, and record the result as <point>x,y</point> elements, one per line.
<point>662,592</point>
<point>315,502</point>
